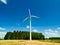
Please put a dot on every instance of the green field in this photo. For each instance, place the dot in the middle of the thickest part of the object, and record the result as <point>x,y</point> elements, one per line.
<point>56,41</point>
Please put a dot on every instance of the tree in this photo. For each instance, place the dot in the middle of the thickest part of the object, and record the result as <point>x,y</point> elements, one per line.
<point>8,35</point>
<point>54,38</point>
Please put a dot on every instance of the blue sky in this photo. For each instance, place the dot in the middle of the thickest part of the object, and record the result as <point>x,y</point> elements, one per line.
<point>14,12</point>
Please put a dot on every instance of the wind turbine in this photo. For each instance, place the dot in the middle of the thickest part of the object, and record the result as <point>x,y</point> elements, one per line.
<point>30,17</point>
<point>4,1</point>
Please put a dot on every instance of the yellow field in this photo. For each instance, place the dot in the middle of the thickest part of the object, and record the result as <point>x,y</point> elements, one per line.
<point>26,42</point>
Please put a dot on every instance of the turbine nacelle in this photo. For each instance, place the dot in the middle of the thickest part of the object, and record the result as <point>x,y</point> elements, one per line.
<point>30,16</point>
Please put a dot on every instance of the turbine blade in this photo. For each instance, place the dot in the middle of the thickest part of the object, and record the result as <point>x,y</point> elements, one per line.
<point>29,11</point>
<point>35,16</point>
<point>4,1</point>
<point>25,19</point>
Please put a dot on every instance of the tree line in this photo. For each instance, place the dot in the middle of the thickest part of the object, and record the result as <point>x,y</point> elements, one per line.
<point>54,38</point>
<point>17,35</point>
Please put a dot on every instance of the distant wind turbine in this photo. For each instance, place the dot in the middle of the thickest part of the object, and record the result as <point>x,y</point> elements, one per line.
<point>4,1</point>
<point>30,17</point>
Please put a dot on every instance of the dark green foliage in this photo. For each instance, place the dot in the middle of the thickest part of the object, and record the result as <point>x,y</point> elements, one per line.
<point>8,35</point>
<point>23,35</point>
<point>36,36</point>
<point>54,38</point>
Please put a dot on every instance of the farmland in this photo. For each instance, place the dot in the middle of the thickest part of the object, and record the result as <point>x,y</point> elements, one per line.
<point>27,42</point>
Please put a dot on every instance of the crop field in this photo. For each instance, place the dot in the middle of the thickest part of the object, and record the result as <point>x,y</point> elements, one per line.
<point>26,42</point>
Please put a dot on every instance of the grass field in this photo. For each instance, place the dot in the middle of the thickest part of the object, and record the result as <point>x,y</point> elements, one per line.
<point>26,42</point>
<point>55,41</point>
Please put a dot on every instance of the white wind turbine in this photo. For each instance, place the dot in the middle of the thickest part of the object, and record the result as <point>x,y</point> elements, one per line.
<point>4,1</point>
<point>30,17</point>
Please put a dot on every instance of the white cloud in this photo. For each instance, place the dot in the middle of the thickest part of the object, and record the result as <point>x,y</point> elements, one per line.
<point>1,28</point>
<point>58,28</point>
<point>4,1</point>
<point>2,34</point>
<point>27,26</point>
<point>51,33</point>
<point>35,30</point>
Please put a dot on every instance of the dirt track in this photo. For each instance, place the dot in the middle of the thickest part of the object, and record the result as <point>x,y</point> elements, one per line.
<point>25,42</point>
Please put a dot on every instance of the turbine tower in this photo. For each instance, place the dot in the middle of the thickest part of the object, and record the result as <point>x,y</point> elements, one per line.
<point>30,17</point>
